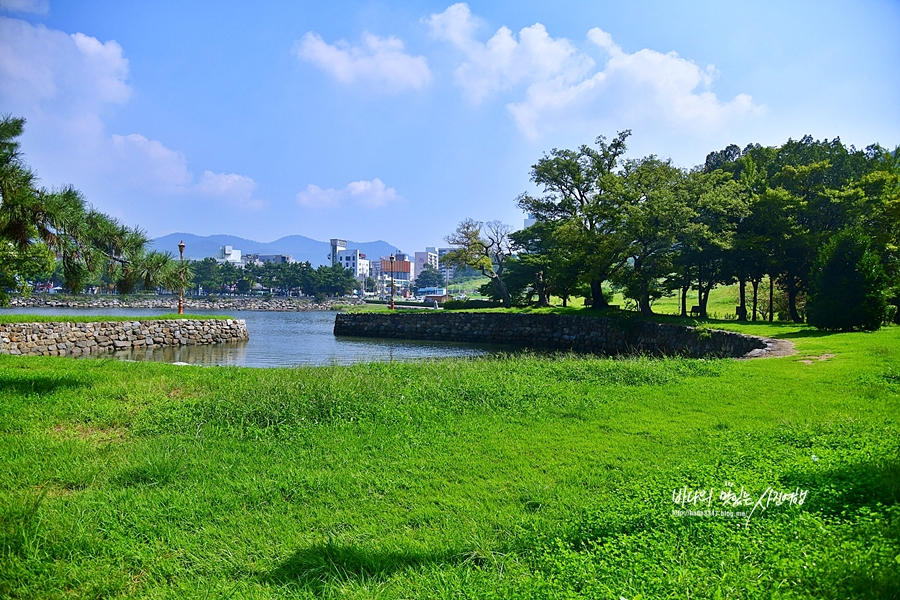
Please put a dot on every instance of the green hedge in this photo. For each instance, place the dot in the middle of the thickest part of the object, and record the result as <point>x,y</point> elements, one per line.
<point>398,303</point>
<point>469,304</point>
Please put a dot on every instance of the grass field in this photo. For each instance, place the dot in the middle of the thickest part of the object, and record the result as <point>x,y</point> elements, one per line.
<point>517,476</point>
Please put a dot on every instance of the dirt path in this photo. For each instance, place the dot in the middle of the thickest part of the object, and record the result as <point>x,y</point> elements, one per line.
<point>774,349</point>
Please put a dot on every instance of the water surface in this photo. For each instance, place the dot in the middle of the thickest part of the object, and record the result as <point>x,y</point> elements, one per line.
<point>279,339</point>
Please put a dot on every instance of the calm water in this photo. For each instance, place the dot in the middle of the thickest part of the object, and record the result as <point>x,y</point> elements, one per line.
<point>280,339</point>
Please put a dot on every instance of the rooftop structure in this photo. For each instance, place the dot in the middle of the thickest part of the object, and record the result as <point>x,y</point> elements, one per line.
<point>231,255</point>
<point>336,246</point>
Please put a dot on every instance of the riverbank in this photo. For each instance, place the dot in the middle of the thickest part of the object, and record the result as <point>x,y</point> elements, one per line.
<point>277,304</point>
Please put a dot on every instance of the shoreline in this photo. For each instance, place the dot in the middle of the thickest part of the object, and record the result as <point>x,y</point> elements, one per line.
<point>279,304</point>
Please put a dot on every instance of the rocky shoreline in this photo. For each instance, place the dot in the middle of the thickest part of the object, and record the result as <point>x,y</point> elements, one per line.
<point>76,339</point>
<point>171,303</point>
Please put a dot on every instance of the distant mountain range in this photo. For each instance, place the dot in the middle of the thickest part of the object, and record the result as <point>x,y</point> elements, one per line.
<point>302,248</point>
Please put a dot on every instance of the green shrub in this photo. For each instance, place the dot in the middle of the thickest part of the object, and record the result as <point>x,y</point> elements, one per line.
<point>849,286</point>
<point>890,314</point>
<point>470,304</point>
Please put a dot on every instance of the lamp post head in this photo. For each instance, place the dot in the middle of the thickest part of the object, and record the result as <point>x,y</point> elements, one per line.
<point>181,248</point>
<point>392,258</point>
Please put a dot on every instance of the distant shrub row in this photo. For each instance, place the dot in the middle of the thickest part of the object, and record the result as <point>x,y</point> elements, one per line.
<point>469,304</point>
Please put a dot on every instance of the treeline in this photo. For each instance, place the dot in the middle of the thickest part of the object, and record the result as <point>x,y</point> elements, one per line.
<point>284,278</point>
<point>820,219</point>
<point>45,231</point>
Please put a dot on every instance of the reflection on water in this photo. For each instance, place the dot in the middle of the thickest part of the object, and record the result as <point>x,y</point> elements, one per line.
<point>280,339</point>
<point>230,353</point>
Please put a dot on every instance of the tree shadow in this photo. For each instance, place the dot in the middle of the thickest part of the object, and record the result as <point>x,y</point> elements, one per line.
<point>862,494</point>
<point>324,564</point>
<point>848,488</point>
<point>24,384</point>
<point>806,333</point>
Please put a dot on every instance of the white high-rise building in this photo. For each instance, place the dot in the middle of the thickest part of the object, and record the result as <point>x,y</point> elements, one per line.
<point>354,261</point>
<point>424,259</point>
<point>448,271</point>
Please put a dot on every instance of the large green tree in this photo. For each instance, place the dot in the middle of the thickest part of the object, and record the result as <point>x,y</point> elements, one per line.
<point>717,203</point>
<point>583,195</point>
<point>429,277</point>
<point>849,286</point>
<point>655,217</point>
<point>485,247</point>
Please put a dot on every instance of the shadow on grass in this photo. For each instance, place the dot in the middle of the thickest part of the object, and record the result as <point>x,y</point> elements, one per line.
<point>806,333</point>
<point>848,488</point>
<point>27,383</point>
<point>328,563</point>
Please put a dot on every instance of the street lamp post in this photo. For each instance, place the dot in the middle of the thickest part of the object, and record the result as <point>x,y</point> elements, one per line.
<point>392,282</point>
<point>181,274</point>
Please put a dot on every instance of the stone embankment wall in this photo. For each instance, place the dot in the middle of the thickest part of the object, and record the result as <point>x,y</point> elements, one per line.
<point>76,339</point>
<point>171,302</point>
<point>597,335</point>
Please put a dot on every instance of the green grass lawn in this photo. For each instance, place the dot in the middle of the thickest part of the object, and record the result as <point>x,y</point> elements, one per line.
<point>723,300</point>
<point>518,476</point>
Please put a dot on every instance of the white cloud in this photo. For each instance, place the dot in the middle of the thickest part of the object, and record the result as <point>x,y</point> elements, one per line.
<point>54,72</point>
<point>368,194</point>
<point>564,88</point>
<point>63,84</point>
<point>504,62</point>
<point>39,7</point>
<point>372,194</point>
<point>151,166</point>
<point>380,61</point>
<point>236,189</point>
<point>145,162</point>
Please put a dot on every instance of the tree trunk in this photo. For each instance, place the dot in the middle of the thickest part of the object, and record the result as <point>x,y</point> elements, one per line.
<point>541,289</point>
<point>598,302</point>
<point>644,302</point>
<point>684,292</point>
<point>500,290</point>
<point>755,284</point>
<point>700,303</point>
<point>565,299</point>
<point>771,298</point>
<point>743,293</point>
<point>704,298</point>
<point>792,299</point>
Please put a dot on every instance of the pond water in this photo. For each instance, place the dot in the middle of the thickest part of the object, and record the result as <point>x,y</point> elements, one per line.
<point>281,339</point>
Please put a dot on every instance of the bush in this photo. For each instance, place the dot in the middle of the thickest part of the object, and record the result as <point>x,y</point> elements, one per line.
<point>467,304</point>
<point>849,286</point>
<point>890,315</point>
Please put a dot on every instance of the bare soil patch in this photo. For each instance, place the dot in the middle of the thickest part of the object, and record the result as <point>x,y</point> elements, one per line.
<point>774,349</point>
<point>808,360</point>
<point>95,435</point>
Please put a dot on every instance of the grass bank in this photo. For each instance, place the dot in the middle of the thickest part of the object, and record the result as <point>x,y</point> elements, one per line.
<point>517,477</point>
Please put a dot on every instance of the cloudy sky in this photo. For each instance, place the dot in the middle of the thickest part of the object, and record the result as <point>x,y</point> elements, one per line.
<point>394,120</point>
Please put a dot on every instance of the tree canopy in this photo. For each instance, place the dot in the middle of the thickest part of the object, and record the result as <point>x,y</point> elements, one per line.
<point>648,228</point>
<point>36,222</point>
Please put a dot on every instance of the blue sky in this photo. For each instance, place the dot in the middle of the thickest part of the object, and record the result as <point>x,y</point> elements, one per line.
<point>396,120</point>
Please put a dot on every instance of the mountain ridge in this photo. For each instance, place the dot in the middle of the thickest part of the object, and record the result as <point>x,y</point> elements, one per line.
<point>300,247</point>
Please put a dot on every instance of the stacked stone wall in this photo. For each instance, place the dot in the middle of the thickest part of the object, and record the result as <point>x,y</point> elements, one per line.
<point>76,339</point>
<point>596,335</point>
